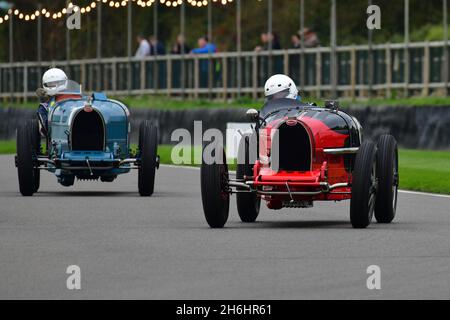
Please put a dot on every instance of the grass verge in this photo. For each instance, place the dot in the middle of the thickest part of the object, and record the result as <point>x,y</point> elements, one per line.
<point>8,147</point>
<point>427,171</point>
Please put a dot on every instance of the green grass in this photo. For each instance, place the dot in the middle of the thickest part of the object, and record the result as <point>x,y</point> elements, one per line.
<point>165,154</point>
<point>8,147</point>
<point>165,103</point>
<point>427,171</point>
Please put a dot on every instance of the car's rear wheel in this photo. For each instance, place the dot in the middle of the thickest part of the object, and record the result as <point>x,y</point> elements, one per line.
<point>388,179</point>
<point>36,138</point>
<point>248,204</point>
<point>148,147</point>
<point>364,186</point>
<point>28,148</point>
<point>215,192</point>
<point>67,180</point>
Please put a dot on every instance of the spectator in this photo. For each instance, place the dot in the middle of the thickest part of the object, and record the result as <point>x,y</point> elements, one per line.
<point>180,45</point>
<point>204,46</point>
<point>266,38</point>
<point>273,37</point>
<point>310,37</point>
<point>296,41</point>
<point>156,47</point>
<point>144,47</point>
<point>264,41</point>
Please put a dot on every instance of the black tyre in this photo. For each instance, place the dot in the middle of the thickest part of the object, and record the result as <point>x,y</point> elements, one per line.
<point>364,186</point>
<point>215,193</point>
<point>388,179</point>
<point>148,147</point>
<point>36,139</point>
<point>67,180</point>
<point>248,204</point>
<point>28,145</point>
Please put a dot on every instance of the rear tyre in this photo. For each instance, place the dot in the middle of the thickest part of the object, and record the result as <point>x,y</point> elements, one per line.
<point>28,145</point>
<point>364,186</point>
<point>36,139</point>
<point>248,204</point>
<point>215,193</point>
<point>148,147</point>
<point>388,179</point>
<point>67,180</point>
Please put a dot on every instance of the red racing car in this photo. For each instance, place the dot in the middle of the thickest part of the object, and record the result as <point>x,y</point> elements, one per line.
<point>300,153</point>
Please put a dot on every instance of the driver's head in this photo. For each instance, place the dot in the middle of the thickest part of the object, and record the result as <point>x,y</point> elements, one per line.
<point>54,81</point>
<point>280,86</point>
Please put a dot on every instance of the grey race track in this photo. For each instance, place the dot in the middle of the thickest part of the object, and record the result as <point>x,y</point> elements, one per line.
<point>161,247</point>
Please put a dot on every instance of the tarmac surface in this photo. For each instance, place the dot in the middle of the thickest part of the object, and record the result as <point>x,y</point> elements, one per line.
<point>161,247</point>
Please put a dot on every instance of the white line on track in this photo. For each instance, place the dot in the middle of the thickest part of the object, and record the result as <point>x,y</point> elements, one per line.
<point>401,191</point>
<point>425,194</point>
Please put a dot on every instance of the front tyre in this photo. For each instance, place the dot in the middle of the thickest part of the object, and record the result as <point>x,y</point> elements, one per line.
<point>388,179</point>
<point>148,147</point>
<point>28,145</point>
<point>364,186</point>
<point>215,193</point>
<point>248,204</point>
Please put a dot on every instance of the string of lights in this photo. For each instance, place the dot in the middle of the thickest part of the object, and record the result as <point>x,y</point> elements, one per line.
<point>47,13</point>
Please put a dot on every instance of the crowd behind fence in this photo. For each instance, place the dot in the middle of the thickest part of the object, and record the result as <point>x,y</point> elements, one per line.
<point>380,70</point>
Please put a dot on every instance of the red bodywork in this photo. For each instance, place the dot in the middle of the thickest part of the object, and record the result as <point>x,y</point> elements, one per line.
<point>326,169</point>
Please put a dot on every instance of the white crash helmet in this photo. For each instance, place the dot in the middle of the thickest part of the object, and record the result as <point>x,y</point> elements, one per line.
<point>54,81</point>
<point>280,86</point>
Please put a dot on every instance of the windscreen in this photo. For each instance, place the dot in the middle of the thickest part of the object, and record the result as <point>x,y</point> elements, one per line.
<point>281,104</point>
<point>73,87</point>
<point>278,95</point>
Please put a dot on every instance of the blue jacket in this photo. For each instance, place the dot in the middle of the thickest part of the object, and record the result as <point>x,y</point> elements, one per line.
<point>209,48</point>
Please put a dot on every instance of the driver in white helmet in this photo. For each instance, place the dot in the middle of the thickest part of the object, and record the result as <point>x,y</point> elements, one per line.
<point>280,86</point>
<point>54,82</point>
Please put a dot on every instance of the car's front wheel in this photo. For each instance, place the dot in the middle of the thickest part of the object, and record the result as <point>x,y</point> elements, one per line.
<point>364,186</point>
<point>215,193</point>
<point>28,149</point>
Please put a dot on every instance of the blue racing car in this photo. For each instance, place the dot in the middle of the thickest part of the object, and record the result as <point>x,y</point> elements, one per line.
<point>86,138</point>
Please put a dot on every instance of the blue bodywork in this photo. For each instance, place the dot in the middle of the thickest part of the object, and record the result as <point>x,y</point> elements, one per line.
<point>106,162</point>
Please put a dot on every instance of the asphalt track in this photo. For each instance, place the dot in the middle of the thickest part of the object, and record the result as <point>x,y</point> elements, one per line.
<point>161,248</point>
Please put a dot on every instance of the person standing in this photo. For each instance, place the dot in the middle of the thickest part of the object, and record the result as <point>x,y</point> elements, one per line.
<point>156,47</point>
<point>144,47</point>
<point>311,38</point>
<point>205,47</point>
<point>296,41</point>
<point>180,46</point>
